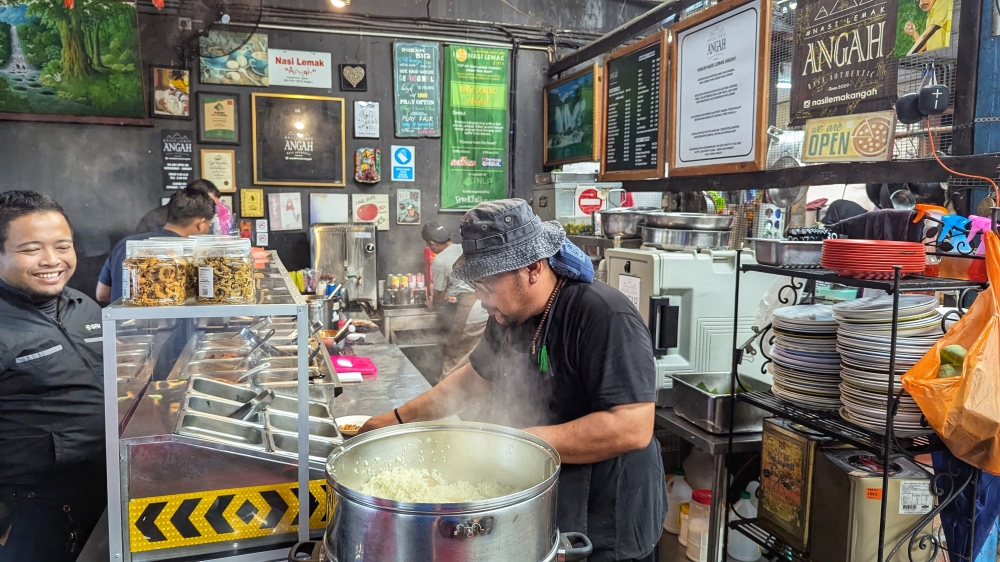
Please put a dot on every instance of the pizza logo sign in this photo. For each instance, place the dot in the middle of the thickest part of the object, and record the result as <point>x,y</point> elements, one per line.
<point>871,137</point>
<point>850,138</point>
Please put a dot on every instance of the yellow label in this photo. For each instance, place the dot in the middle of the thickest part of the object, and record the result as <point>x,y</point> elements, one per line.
<point>164,522</point>
<point>866,137</point>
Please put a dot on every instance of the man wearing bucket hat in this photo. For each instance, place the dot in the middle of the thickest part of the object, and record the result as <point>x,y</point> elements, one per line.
<point>461,316</point>
<point>567,360</point>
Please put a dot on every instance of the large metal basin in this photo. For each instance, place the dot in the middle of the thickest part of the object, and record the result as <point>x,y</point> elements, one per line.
<point>710,411</point>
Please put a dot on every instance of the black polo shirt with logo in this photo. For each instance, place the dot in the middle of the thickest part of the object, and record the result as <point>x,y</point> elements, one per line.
<point>51,388</point>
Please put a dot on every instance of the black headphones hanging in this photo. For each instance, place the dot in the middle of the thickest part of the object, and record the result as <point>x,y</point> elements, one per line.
<point>931,99</point>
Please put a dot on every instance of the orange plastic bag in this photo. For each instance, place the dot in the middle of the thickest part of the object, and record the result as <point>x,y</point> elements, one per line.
<point>965,410</point>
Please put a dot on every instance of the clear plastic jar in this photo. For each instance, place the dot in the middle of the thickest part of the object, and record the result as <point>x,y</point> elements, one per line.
<point>154,273</point>
<point>698,525</point>
<point>190,272</point>
<point>225,271</point>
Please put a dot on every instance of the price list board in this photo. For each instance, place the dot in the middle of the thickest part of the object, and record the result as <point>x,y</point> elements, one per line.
<point>635,101</point>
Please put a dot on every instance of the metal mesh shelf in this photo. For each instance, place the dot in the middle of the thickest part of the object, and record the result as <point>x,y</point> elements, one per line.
<point>832,425</point>
<point>911,283</point>
<point>767,542</point>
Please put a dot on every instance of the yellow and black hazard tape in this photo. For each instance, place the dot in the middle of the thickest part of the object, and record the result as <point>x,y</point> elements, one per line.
<point>163,522</point>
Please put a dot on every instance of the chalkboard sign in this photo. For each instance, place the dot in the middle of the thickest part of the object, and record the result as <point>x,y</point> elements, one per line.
<point>634,102</point>
<point>417,80</point>
<point>298,140</point>
<point>178,158</point>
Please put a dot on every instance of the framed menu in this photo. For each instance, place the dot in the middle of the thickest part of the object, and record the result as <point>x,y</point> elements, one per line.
<point>718,110</point>
<point>634,99</point>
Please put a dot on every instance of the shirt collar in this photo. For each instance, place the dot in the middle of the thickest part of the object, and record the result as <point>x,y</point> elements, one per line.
<point>19,295</point>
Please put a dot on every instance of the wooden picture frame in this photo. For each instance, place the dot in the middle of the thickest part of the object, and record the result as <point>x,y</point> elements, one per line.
<point>158,81</point>
<point>219,167</point>
<point>295,140</point>
<point>756,158</point>
<point>659,171</point>
<point>218,118</point>
<point>594,72</point>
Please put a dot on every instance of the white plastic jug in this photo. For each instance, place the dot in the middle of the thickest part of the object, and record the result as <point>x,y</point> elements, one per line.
<point>752,490</point>
<point>740,547</point>
<point>678,494</point>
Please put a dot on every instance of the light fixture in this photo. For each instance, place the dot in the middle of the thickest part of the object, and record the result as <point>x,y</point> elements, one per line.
<point>340,3</point>
<point>300,125</point>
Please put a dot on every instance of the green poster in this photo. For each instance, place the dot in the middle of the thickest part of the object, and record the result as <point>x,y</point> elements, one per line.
<point>474,136</point>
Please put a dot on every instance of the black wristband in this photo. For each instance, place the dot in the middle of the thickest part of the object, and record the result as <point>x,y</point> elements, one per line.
<point>399,419</point>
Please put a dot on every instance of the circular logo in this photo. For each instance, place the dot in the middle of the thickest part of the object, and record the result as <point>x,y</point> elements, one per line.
<point>588,202</point>
<point>461,55</point>
<point>871,136</point>
<point>403,156</point>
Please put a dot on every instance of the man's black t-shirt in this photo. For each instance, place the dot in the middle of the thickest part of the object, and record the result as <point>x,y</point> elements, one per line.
<point>600,356</point>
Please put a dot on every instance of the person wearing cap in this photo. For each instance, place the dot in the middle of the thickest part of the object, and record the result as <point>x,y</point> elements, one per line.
<point>567,360</point>
<point>461,317</point>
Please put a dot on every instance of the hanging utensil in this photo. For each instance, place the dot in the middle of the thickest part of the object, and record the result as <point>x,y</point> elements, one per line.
<point>252,372</point>
<point>261,343</point>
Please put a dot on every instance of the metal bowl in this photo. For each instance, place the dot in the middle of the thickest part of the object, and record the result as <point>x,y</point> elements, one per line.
<point>667,239</point>
<point>623,221</point>
<point>688,221</point>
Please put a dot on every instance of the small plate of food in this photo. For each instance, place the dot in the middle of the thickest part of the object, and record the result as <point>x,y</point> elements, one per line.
<point>350,425</point>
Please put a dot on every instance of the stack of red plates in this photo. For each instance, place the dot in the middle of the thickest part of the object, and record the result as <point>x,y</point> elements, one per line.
<point>872,259</point>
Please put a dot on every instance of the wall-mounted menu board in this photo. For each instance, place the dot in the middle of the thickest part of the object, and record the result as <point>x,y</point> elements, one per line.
<point>634,102</point>
<point>719,90</point>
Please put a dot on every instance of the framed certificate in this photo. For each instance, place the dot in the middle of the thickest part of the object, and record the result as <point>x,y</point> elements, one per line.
<point>218,118</point>
<point>219,167</point>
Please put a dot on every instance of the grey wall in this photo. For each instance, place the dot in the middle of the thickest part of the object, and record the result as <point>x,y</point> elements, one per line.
<point>107,177</point>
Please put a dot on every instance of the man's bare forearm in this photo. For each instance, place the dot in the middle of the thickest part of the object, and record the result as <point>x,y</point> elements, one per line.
<point>601,435</point>
<point>451,396</point>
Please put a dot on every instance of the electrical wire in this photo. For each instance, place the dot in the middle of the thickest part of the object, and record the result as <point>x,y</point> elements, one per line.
<point>930,135</point>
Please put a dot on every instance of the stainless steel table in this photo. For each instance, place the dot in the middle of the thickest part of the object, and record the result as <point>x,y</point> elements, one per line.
<point>718,447</point>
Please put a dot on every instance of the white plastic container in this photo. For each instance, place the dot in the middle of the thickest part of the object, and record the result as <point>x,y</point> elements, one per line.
<point>697,542</point>
<point>752,490</point>
<point>678,494</point>
<point>740,547</point>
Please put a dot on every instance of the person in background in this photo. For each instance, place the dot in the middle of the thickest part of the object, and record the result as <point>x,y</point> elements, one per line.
<point>53,486</point>
<point>190,211</point>
<point>569,361</point>
<point>461,317</point>
<point>157,218</point>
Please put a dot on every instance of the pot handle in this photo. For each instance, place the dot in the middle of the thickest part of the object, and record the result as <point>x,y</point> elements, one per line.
<point>308,551</point>
<point>568,552</point>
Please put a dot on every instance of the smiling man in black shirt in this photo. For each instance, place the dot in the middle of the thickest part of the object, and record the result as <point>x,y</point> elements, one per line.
<point>52,465</point>
<point>567,360</point>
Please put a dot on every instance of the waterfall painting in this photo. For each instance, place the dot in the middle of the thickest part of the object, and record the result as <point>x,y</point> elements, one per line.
<point>69,60</point>
<point>572,117</point>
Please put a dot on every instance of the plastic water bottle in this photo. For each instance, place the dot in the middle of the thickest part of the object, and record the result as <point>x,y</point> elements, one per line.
<point>740,547</point>
<point>678,494</point>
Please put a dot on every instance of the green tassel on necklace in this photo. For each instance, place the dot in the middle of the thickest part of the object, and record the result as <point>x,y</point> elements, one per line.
<point>543,359</point>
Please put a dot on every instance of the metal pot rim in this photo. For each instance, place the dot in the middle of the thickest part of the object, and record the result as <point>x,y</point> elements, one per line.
<point>412,507</point>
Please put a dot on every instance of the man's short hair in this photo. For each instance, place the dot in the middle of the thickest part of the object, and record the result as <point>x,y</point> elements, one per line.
<point>205,186</point>
<point>189,204</point>
<point>18,203</point>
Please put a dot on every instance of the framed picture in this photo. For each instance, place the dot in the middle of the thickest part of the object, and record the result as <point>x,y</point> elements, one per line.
<point>218,118</point>
<point>298,140</point>
<point>720,65</point>
<point>100,81</point>
<point>572,118</point>
<point>219,167</point>
<point>634,102</point>
<point>233,59</point>
<point>252,203</point>
<point>171,93</point>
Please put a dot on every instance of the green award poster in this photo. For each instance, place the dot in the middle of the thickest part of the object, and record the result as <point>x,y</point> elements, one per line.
<point>474,135</point>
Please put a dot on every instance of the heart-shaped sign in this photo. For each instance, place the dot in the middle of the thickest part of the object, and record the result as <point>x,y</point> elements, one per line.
<point>354,75</point>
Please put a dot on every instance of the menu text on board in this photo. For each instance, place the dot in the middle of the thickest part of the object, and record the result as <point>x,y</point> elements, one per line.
<point>633,111</point>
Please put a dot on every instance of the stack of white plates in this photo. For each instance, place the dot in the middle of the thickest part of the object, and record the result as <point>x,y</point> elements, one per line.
<point>864,342</point>
<point>805,361</point>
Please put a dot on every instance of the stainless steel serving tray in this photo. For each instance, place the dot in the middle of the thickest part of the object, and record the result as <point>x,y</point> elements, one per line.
<point>222,430</point>
<point>280,422</point>
<point>711,411</point>
<point>787,253</point>
<point>290,405</point>
<point>287,445</point>
<point>688,221</point>
<point>667,239</point>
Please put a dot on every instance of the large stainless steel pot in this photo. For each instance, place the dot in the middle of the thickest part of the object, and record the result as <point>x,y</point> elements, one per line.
<point>623,221</point>
<point>520,526</point>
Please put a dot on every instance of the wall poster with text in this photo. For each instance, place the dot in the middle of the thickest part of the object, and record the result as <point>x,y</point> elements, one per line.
<point>474,142</point>
<point>417,89</point>
<point>841,60</point>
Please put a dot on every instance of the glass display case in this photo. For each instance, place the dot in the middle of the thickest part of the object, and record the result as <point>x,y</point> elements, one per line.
<point>218,421</point>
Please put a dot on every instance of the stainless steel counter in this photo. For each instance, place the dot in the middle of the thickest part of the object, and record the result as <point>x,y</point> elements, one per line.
<point>398,382</point>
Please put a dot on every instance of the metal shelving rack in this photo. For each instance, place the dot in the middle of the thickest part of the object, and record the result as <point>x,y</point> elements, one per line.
<point>886,445</point>
<point>294,305</point>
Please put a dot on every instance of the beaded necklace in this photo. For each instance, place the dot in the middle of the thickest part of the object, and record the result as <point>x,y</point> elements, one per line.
<point>543,354</point>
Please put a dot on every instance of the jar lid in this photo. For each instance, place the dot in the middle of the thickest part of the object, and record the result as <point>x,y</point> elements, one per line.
<point>703,497</point>
<point>187,243</point>
<point>165,247</point>
<point>679,472</point>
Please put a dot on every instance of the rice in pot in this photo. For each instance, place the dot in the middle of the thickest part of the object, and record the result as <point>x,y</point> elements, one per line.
<point>424,486</point>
